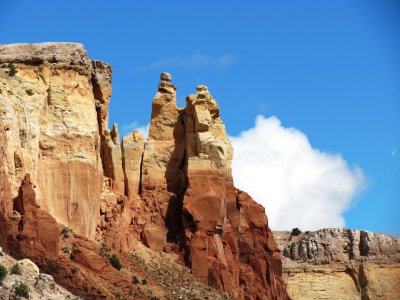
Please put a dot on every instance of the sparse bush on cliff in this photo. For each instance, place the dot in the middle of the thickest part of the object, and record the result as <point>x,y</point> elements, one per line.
<point>21,290</point>
<point>16,269</point>
<point>295,232</point>
<point>3,273</point>
<point>114,261</point>
<point>65,232</point>
<point>74,270</point>
<point>135,280</point>
<point>11,70</point>
<point>138,259</point>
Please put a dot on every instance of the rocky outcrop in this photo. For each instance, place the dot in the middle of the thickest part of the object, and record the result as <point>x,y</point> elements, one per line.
<point>40,285</point>
<point>198,203</point>
<point>29,232</point>
<point>340,264</point>
<point>173,192</point>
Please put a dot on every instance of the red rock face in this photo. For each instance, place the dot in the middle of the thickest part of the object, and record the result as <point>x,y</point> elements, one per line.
<point>35,232</point>
<point>260,262</point>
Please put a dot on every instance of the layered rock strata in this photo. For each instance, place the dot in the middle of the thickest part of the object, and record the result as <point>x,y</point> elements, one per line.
<point>173,192</point>
<point>340,264</point>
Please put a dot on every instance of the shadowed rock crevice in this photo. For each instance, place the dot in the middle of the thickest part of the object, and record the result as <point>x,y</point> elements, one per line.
<point>363,246</point>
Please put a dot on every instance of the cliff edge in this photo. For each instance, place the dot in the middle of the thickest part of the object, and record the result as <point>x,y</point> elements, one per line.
<point>340,264</point>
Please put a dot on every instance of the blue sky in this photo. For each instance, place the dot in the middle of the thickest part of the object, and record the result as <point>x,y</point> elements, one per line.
<point>329,69</point>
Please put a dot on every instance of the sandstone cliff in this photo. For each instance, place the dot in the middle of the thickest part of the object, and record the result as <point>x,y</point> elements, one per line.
<point>340,264</point>
<point>74,197</point>
<point>50,122</point>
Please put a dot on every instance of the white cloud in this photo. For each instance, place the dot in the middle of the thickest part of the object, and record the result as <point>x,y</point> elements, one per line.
<point>298,185</point>
<point>196,60</point>
<point>128,128</point>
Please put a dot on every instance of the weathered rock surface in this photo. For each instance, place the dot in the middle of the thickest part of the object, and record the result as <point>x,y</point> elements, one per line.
<point>33,231</point>
<point>40,286</point>
<point>49,116</point>
<point>132,154</point>
<point>340,264</point>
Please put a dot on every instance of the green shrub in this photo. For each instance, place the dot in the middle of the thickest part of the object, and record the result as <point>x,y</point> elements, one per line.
<point>135,280</point>
<point>11,70</point>
<point>16,269</point>
<point>295,232</point>
<point>65,250</point>
<point>21,290</point>
<point>114,261</point>
<point>65,232</point>
<point>3,273</point>
<point>74,270</point>
<point>144,281</point>
<point>138,259</point>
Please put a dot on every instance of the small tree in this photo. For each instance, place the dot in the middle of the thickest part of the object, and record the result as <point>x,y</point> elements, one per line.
<point>114,261</point>
<point>295,232</point>
<point>16,269</point>
<point>135,280</point>
<point>3,273</point>
<point>11,70</point>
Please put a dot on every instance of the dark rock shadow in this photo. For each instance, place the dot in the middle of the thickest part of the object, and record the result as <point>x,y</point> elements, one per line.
<point>177,183</point>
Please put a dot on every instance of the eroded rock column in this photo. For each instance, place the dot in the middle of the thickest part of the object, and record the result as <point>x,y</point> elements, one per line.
<point>208,168</point>
<point>132,153</point>
<point>159,160</point>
